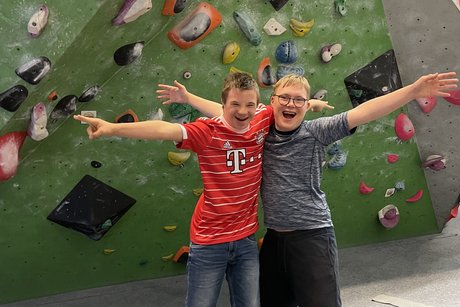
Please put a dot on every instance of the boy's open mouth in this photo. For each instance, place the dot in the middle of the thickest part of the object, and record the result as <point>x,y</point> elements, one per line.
<point>289,115</point>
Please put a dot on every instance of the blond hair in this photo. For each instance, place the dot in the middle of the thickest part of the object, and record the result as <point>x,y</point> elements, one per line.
<point>292,80</point>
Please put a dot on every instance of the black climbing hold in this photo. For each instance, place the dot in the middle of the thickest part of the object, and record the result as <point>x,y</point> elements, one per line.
<point>65,107</point>
<point>12,98</point>
<point>89,94</point>
<point>179,6</point>
<point>96,164</point>
<point>128,53</point>
<point>278,4</point>
<point>34,70</point>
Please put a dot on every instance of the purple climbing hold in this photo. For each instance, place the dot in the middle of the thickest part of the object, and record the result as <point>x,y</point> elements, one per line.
<point>330,51</point>
<point>131,10</point>
<point>12,98</point>
<point>128,53</point>
<point>34,70</point>
<point>435,162</point>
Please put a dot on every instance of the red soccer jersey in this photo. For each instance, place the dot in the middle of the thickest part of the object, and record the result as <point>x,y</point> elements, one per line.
<point>231,170</point>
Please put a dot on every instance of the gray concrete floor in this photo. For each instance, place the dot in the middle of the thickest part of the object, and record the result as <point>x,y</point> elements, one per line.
<point>422,270</point>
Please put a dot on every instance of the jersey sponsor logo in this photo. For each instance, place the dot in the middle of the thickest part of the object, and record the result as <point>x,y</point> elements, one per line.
<point>237,158</point>
<point>260,136</point>
<point>227,145</point>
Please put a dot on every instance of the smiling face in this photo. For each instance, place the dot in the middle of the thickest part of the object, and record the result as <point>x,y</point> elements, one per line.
<point>240,97</point>
<point>240,108</point>
<point>289,117</point>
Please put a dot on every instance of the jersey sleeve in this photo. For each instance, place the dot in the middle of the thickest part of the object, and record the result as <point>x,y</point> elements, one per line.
<point>196,136</point>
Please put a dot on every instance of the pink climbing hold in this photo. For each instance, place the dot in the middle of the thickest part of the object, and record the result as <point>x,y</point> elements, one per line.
<point>10,144</point>
<point>454,97</point>
<point>392,158</point>
<point>403,127</point>
<point>427,104</point>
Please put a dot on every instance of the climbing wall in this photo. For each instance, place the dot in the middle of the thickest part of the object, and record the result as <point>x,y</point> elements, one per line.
<point>80,41</point>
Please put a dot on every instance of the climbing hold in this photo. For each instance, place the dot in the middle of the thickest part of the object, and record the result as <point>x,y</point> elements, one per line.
<point>168,257</point>
<point>178,158</point>
<point>37,126</point>
<point>233,70</point>
<point>173,7</point>
<point>128,53</point>
<point>335,148</point>
<point>403,127</point>
<point>10,144</point>
<point>435,162</point>
<point>364,189</point>
<point>415,197</point>
<point>89,93</point>
<point>197,191</point>
<point>158,115</point>
<point>170,228</point>
<point>286,52</point>
<point>65,107</point>
<point>330,51</point>
<point>38,21</point>
<point>12,98</point>
<point>96,164</point>
<point>187,74</point>
<point>338,160</point>
<point>427,104</point>
<point>300,28</point>
<point>389,216</point>
<point>284,70</point>
<point>193,28</point>
<point>108,251</point>
<point>127,117</point>
<point>34,70</point>
<point>454,97</point>
<point>265,77</point>
<point>340,7</point>
<point>52,96</point>
<point>179,109</point>
<point>392,158</point>
<point>399,186</point>
<point>248,27</point>
<point>320,94</point>
<point>273,27</point>
<point>230,53</point>
<point>181,255</point>
<point>131,10</point>
<point>390,192</point>
<point>278,4</point>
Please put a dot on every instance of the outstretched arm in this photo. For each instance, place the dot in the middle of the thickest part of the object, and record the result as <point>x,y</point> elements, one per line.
<point>425,86</point>
<point>179,94</point>
<point>152,129</point>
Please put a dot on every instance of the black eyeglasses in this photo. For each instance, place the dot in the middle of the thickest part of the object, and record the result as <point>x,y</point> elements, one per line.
<point>297,101</point>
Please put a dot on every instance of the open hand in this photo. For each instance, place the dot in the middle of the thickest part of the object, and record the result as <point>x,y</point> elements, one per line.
<point>172,94</point>
<point>435,85</point>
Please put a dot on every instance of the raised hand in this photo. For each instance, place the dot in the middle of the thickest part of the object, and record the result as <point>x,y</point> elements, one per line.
<point>172,94</point>
<point>317,105</point>
<point>435,85</point>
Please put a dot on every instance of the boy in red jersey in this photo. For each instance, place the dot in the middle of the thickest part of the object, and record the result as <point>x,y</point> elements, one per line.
<point>229,150</point>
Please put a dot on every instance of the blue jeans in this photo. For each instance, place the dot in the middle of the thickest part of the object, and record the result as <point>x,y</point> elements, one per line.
<point>207,265</point>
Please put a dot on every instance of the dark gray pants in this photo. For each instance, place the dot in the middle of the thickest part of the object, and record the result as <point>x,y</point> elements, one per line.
<point>299,268</point>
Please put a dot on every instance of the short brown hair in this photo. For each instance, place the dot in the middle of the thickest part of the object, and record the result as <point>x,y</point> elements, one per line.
<point>239,80</point>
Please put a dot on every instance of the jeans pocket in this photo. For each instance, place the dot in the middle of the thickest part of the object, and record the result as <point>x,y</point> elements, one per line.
<point>251,238</point>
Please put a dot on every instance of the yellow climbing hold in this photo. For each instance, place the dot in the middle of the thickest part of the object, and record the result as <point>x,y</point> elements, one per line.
<point>168,257</point>
<point>231,51</point>
<point>300,28</point>
<point>178,158</point>
<point>108,251</point>
<point>197,191</point>
<point>170,227</point>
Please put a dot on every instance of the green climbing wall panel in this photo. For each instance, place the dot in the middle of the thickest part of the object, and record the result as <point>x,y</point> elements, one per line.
<point>42,258</point>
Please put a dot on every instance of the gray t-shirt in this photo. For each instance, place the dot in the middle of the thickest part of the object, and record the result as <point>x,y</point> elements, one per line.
<point>291,195</point>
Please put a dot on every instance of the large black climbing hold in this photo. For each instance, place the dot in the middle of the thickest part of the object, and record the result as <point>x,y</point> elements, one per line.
<point>89,93</point>
<point>379,77</point>
<point>91,207</point>
<point>179,6</point>
<point>65,107</point>
<point>128,53</point>
<point>12,98</point>
<point>278,4</point>
<point>33,71</point>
